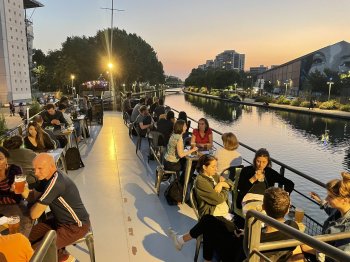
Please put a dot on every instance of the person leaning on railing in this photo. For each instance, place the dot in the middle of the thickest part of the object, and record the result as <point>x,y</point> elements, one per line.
<point>337,206</point>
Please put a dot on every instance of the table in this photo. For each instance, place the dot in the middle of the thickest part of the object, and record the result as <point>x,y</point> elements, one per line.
<point>189,160</point>
<point>83,125</point>
<point>57,154</point>
<point>67,133</point>
<point>21,210</point>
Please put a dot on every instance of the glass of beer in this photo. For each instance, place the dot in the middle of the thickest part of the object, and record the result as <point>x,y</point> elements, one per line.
<point>20,181</point>
<point>13,224</point>
<point>299,215</point>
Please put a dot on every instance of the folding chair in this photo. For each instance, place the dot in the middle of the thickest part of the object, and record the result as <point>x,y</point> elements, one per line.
<point>194,203</point>
<point>89,241</point>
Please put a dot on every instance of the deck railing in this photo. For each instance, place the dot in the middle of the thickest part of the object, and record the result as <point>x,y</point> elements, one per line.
<point>252,232</point>
<point>313,226</point>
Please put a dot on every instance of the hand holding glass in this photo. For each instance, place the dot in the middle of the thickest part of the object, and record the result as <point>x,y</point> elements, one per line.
<point>20,181</point>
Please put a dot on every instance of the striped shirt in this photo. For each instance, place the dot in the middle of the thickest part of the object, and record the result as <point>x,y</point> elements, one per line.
<point>62,195</point>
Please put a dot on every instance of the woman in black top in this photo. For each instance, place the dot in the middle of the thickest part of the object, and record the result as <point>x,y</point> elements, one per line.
<point>37,139</point>
<point>260,176</point>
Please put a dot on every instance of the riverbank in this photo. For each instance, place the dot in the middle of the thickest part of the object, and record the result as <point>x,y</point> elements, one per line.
<point>250,102</point>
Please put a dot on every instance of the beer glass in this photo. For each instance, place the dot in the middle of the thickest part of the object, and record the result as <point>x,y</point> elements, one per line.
<point>299,215</point>
<point>13,224</point>
<point>20,181</point>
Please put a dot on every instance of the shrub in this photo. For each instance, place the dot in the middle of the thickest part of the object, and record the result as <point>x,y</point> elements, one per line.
<point>215,93</point>
<point>329,105</point>
<point>296,102</point>
<point>3,126</point>
<point>34,108</point>
<point>305,104</point>
<point>264,99</point>
<point>282,101</point>
<point>203,90</point>
<point>345,108</point>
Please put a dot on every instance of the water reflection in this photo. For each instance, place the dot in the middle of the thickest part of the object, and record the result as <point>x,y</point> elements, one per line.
<point>222,111</point>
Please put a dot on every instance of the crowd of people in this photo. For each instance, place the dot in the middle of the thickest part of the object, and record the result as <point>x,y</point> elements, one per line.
<point>220,226</point>
<point>47,188</point>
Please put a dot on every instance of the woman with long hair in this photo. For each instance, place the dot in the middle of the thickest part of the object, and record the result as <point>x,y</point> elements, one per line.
<point>202,136</point>
<point>337,207</point>
<point>7,178</point>
<point>259,176</point>
<point>37,139</point>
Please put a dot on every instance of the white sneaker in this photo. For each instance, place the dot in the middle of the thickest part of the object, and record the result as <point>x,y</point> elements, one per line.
<point>173,235</point>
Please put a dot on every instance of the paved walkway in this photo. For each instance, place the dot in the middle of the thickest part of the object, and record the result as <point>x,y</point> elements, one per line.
<point>117,186</point>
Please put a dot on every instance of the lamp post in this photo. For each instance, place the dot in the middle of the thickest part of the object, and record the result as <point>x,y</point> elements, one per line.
<point>329,83</point>
<point>286,84</point>
<point>235,84</point>
<point>72,77</point>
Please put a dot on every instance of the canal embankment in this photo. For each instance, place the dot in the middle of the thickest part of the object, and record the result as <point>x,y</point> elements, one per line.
<point>250,102</point>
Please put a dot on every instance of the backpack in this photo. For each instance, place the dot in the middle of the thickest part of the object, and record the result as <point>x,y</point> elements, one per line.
<point>173,194</point>
<point>73,159</point>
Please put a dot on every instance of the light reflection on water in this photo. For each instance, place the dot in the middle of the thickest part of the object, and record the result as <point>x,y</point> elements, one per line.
<point>292,138</point>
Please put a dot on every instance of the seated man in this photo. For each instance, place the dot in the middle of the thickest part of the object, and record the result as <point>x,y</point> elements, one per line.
<point>51,117</point>
<point>143,121</point>
<point>127,104</point>
<point>135,111</point>
<point>166,126</point>
<point>15,247</point>
<point>62,108</point>
<point>225,240</point>
<point>57,191</point>
<point>159,110</point>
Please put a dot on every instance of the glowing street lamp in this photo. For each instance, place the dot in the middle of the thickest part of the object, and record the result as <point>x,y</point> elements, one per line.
<point>286,84</point>
<point>72,77</point>
<point>329,83</point>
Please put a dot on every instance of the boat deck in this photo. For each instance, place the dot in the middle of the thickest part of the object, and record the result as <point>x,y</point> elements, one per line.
<point>117,187</point>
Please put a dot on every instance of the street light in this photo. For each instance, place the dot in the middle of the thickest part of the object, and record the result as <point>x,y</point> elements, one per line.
<point>329,83</point>
<point>235,84</point>
<point>251,82</point>
<point>72,77</point>
<point>286,84</point>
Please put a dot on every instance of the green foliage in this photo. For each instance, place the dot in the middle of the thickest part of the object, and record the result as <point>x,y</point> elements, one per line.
<point>264,99</point>
<point>282,101</point>
<point>305,104</point>
<point>203,90</point>
<point>345,108</point>
<point>296,102</point>
<point>329,105</point>
<point>213,78</point>
<point>3,126</point>
<point>34,108</point>
<point>215,92</point>
<point>87,57</point>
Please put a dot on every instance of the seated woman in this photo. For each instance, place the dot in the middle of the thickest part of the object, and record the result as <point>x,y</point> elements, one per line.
<point>337,206</point>
<point>18,155</point>
<point>203,136</point>
<point>224,237</point>
<point>260,176</point>
<point>37,139</point>
<point>211,189</point>
<point>7,178</point>
<point>228,156</point>
<point>175,149</point>
<point>182,115</point>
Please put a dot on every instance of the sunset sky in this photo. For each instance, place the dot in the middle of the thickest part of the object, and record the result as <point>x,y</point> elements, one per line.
<point>185,33</point>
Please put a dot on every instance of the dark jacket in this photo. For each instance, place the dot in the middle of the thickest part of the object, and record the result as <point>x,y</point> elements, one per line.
<point>271,177</point>
<point>48,144</point>
<point>48,118</point>
<point>207,198</point>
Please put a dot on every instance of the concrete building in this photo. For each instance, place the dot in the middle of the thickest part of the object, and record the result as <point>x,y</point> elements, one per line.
<point>293,76</point>
<point>257,70</point>
<point>228,60</point>
<point>14,62</point>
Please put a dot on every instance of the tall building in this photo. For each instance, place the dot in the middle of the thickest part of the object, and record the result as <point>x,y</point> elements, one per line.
<point>257,70</point>
<point>228,60</point>
<point>14,62</point>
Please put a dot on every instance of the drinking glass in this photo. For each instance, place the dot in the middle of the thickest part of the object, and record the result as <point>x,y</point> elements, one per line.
<point>13,224</point>
<point>299,215</point>
<point>20,181</point>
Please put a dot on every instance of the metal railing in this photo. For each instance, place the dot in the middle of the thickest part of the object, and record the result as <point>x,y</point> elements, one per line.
<point>252,232</point>
<point>314,226</point>
<point>47,251</point>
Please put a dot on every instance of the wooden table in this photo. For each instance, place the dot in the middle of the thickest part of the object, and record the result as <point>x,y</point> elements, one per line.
<point>20,210</point>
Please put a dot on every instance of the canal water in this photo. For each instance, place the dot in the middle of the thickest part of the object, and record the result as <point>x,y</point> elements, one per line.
<point>316,146</point>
